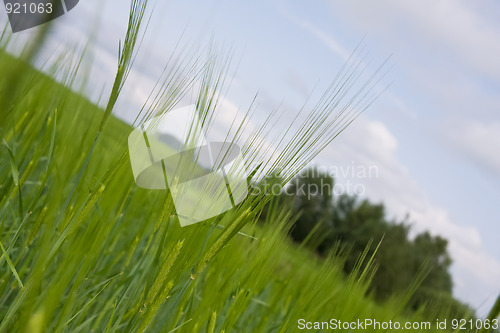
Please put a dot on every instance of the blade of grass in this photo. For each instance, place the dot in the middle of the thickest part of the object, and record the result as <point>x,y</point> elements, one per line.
<point>11,266</point>
<point>15,176</point>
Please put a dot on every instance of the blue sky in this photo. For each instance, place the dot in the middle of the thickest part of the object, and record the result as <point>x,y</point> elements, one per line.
<point>434,135</point>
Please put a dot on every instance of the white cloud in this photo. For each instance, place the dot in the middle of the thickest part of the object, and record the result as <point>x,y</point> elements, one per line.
<point>445,53</point>
<point>449,26</point>
<point>331,43</point>
<point>297,83</point>
<point>479,141</point>
<point>369,142</point>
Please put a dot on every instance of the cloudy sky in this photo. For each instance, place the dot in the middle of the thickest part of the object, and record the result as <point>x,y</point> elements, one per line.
<point>433,136</point>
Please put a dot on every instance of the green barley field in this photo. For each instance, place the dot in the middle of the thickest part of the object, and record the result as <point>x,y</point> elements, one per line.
<point>83,249</point>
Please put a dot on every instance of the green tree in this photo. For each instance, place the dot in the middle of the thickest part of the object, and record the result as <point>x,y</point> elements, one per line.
<point>356,226</point>
<point>311,194</point>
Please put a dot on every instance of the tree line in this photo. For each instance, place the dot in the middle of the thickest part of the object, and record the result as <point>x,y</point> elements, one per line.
<point>346,224</point>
